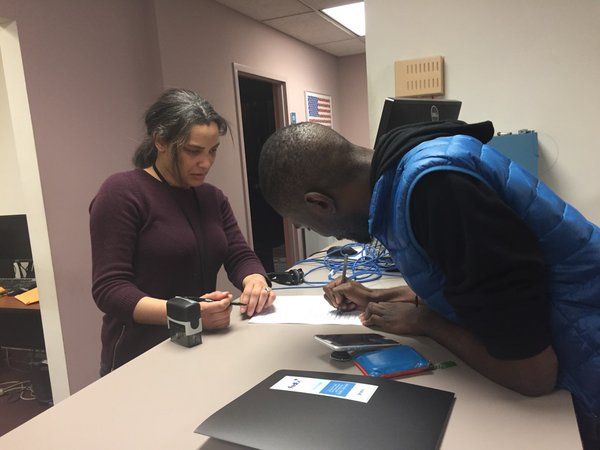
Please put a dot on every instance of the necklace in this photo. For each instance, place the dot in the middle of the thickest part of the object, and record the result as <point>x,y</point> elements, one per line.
<point>160,174</point>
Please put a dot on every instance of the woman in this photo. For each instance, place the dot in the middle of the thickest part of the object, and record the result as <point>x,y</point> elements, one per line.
<point>159,231</point>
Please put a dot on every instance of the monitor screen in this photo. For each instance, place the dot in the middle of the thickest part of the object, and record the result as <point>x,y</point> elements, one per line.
<point>403,111</point>
<point>14,241</point>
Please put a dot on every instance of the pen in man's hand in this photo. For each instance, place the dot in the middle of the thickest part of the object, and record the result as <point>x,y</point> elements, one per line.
<point>344,280</point>
<point>345,268</point>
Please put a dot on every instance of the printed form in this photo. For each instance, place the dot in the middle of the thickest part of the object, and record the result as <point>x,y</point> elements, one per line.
<point>306,309</point>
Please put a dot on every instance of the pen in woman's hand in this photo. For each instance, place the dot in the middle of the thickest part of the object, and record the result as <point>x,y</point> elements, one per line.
<point>208,300</point>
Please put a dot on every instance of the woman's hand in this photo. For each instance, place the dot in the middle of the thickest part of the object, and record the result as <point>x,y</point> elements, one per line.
<point>216,314</point>
<point>257,295</point>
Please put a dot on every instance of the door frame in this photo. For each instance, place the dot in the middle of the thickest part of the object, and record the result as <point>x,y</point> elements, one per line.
<point>24,142</point>
<point>294,239</point>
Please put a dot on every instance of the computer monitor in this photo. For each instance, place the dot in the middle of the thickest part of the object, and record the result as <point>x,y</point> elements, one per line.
<point>403,111</point>
<point>14,243</point>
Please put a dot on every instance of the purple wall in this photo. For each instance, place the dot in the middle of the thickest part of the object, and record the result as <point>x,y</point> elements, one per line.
<point>91,68</point>
<point>352,89</point>
<point>199,41</point>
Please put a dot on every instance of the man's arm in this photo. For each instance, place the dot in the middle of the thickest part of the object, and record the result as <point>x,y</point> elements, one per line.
<point>494,268</point>
<point>350,295</point>
<point>534,375</point>
<point>495,280</point>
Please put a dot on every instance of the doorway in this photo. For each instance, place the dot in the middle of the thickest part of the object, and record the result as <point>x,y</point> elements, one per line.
<point>261,111</point>
<point>258,118</point>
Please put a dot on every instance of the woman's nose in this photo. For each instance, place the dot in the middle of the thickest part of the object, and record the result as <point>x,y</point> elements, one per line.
<point>204,161</point>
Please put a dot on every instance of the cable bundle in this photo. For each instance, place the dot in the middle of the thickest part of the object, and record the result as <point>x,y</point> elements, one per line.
<point>369,263</point>
<point>22,388</point>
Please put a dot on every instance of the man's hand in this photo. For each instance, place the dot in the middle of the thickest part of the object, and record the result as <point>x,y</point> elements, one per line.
<point>397,316</point>
<point>532,376</point>
<point>347,295</point>
<point>215,315</point>
<point>257,295</point>
<point>351,295</point>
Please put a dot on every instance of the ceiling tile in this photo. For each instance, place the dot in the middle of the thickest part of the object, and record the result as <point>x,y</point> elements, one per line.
<point>266,9</point>
<point>344,48</point>
<point>310,28</point>
<point>322,4</point>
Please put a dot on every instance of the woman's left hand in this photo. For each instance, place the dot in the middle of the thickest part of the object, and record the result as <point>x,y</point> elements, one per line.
<point>257,295</point>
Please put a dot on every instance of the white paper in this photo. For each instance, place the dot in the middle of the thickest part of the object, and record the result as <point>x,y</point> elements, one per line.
<point>307,309</point>
<point>348,390</point>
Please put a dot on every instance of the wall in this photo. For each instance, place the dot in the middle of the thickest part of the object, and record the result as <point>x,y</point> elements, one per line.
<point>521,63</point>
<point>352,108</point>
<point>11,200</point>
<point>199,41</point>
<point>91,69</point>
<point>351,120</point>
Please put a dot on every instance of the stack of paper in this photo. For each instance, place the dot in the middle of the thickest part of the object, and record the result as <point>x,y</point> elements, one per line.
<point>29,297</point>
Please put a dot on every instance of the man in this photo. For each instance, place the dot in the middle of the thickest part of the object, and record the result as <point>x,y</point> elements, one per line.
<point>508,273</point>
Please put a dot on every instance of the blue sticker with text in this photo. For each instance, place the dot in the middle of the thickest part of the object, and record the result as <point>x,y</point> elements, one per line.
<point>337,388</point>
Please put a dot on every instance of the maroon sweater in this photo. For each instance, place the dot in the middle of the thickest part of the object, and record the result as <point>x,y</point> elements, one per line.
<point>143,245</point>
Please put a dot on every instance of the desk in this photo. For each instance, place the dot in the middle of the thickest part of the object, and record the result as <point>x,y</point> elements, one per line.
<point>20,324</point>
<point>157,400</point>
<point>11,303</point>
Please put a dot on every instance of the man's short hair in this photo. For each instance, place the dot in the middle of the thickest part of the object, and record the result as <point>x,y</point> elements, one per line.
<point>301,158</point>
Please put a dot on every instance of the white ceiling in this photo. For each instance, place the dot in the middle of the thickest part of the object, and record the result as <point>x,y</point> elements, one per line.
<point>303,20</point>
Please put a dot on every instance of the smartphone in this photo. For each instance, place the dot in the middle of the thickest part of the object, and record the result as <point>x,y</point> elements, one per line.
<point>355,341</point>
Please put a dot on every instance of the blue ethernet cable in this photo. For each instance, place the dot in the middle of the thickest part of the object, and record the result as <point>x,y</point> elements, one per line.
<point>372,263</point>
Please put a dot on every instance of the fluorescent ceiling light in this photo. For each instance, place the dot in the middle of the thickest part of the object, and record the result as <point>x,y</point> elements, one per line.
<point>351,16</point>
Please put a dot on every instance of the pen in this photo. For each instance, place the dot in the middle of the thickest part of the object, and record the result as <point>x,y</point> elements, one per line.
<point>208,300</point>
<point>344,279</point>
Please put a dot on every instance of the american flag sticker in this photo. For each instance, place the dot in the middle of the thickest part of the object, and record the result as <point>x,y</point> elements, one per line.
<point>318,108</point>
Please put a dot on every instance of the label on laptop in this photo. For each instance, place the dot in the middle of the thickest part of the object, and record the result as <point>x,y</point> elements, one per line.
<point>359,392</point>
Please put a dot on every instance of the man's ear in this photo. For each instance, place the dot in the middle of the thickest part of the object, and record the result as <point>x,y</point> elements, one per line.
<point>320,204</point>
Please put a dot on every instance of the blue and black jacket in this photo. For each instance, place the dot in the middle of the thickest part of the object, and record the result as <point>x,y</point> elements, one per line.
<point>570,245</point>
